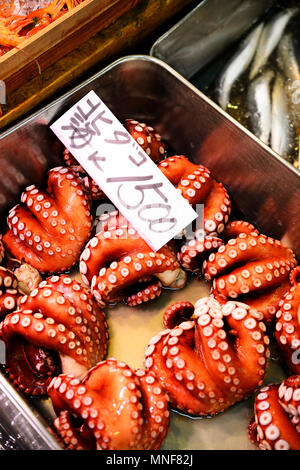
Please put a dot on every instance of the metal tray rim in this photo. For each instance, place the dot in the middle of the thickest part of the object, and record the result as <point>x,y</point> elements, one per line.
<point>179,77</point>
<point>13,396</point>
<point>175,27</point>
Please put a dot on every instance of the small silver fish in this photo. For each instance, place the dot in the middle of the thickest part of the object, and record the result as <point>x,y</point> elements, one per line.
<point>258,105</point>
<point>288,59</point>
<point>270,38</point>
<point>237,65</point>
<point>282,132</point>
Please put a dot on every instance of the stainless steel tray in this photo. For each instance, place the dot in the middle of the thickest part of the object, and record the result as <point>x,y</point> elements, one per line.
<point>265,190</point>
<point>207,31</point>
<point>203,42</point>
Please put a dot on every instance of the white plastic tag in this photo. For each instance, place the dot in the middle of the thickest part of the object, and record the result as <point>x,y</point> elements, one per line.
<point>129,178</point>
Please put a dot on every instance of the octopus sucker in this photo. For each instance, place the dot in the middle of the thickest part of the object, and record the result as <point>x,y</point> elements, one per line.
<point>115,260</point>
<point>58,320</point>
<point>201,369</point>
<point>276,425</point>
<point>123,409</point>
<point>9,292</point>
<point>287,324</point>
<point>249,265</point>
<point>48,230</point>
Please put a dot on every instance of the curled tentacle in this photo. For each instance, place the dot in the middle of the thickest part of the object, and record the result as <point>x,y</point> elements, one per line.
<point>236,227</point>
<point>59,326</point>
<point>193,254</point>
<point>115,260</point>
<point>72,436</point>
<point>208,364</point>
<point>48,230</point>
<point>123,409</point>
<point>276,425</point>
<point>287,327</point>
<point>9,292</point>
<point>147,138</point>
<point>150,292</point>
<point>251,268</point>
<point>198,187</point>
<point>178,313</point>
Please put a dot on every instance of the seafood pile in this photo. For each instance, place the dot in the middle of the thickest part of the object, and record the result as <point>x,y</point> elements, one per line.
<point>208,357</point>
<point>260,84</point>
<point>21,19</point>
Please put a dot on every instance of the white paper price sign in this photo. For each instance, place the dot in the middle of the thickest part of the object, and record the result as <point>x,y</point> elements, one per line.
<point>122,169</point>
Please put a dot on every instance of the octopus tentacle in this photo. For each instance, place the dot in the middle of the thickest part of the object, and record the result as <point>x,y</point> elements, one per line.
<point>72,437</point>
<point>122,408</point>
<point>177,313</point>
<point>204,369</point>
<point>192,254</point>
<point>276,424</point>
<point>48,230</point>
<point>254,268</point>
<point>116,259</point>
<point>150,292</point>
<point>9,292</point>
<point>287,324</point>
<point>147,137</point>
<point>236,227</point>
<point>198,187</point>
<point>294,276</point>
<point>60,316</point>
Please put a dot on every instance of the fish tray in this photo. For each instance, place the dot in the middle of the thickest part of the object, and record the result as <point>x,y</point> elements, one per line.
<point>264,189</point>
<point>59,38</point>
<point>201,45</point>
<point>206,32</point>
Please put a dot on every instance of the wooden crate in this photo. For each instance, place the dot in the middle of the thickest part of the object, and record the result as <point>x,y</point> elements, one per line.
<point>58,39</point>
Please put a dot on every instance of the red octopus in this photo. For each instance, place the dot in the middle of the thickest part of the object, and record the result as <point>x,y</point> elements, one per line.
<point>119,265</point>
<point>193,254</point>
<point>197,186</point>
<point>276,425</point>
<point>252,268</point>
<point>59,326</point>
<point>287,330</point>
<point>112,408</point>
<point>145,136</point>
<point>212,361</point>
<point>9,292</point>
<point>48,230</point>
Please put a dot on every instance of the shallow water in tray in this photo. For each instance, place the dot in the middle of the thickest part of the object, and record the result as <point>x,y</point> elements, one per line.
<point>130,330</point>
